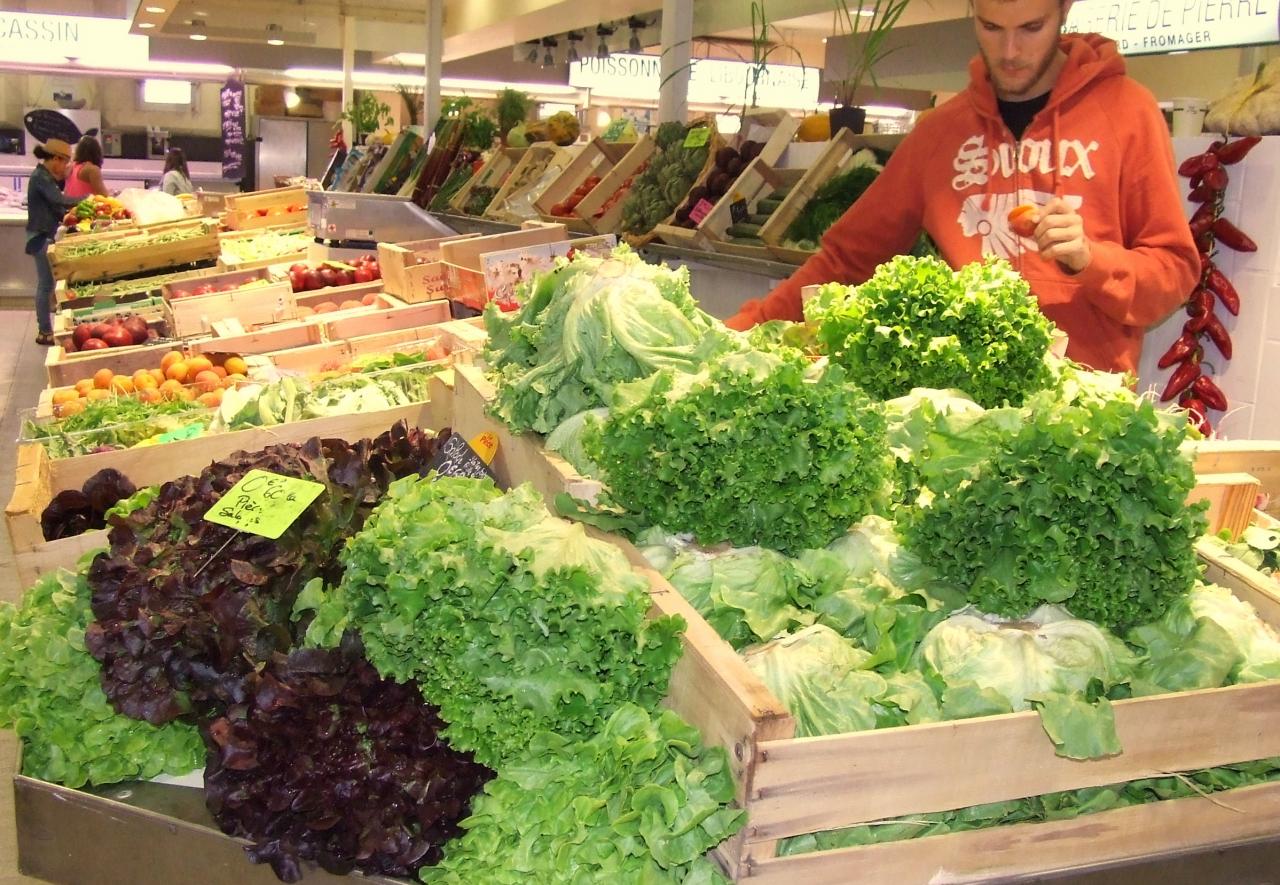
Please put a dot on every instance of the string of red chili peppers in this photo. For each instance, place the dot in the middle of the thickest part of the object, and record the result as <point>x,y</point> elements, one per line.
<point>1196,391</point>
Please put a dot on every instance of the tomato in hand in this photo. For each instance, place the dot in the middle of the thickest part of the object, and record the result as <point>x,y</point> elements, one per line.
<point>1023,220</point>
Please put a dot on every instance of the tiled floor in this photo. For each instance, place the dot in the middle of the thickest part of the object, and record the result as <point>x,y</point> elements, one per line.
<point>21,379</point>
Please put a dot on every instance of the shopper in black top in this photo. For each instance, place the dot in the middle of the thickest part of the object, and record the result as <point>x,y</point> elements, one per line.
<point>46,205</point>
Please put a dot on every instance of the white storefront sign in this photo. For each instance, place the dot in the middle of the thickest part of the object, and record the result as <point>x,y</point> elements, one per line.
<point>711,81</point>
<point>37,38</point>
<point>1142,27</point>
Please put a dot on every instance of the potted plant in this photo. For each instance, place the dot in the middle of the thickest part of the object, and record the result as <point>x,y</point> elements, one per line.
<point>512,109</point>
<point>478,128</point>
<point>366,114</point>
<point>871,21</point>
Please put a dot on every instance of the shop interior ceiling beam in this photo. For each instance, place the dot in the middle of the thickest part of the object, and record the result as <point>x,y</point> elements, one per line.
<point>814,17</point>
<point>677,38</point>
<point>90,8</point>
<point>472,27</point>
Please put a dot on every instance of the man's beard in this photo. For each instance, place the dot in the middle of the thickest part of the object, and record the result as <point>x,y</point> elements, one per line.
<point>1039,72</point>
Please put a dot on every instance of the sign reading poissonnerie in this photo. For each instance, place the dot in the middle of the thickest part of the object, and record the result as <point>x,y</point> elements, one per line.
<point>1144,27</point>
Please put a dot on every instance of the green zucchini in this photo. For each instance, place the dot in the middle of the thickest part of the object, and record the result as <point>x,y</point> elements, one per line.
<point>744,229</point>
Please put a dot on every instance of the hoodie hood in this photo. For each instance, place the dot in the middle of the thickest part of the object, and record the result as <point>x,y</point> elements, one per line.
<point>1090,57</point>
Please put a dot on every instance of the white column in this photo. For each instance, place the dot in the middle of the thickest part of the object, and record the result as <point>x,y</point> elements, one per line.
<point>348,69</point>
<point>435,55</point>
<point>677,37</point>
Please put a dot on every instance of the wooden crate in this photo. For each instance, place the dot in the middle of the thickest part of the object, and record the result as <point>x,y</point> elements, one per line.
<point>38,478</point>
<point>63,369</point>
<point>834,160</point>
<point>231,262</point>
<point>390,319</point>
<point>327,356</point>
<point>142,254</point>
<point>124,292</point>
<point>238,310</point>
<point>792,786</point>
<point>411,271</point>
<point>756,183</point>
<point>493,174</point>
<point>667,230</point>
<point>280,336</point>
<point>598,158</point>
<point>525,175</point>
<point>610,220</point>
<point>274,198</point>
<point>1258,458</point>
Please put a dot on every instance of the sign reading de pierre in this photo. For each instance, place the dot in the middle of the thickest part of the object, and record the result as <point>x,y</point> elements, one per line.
<point>1143,27</point>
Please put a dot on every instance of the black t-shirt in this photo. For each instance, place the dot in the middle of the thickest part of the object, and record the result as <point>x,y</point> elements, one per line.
<point>1017,115</point>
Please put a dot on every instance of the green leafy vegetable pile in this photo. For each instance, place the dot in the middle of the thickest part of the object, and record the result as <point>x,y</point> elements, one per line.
<point>118,422</point>
<point>1080,502</point>
<point>664,183</point>
<point>832,200</point>
<point>755,449</point>
<point>512,621</point>
<point>50,694</point>
<point>588,326</point>
<point>641,801</point>
<point>917,323</point>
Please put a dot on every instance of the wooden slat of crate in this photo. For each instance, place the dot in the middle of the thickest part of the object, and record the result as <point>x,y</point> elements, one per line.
<point>836,159</point>
<point>144,257</point>
<point>393,319</point>
<point>1258,458</point>
<point>266,199</point>
<point>258,306</point>
<point>252,221</point>
<point>598,158</point>
<point>49,556</point>
<point>63,372</point>
<point>1231,497</point>
<point>611,222</point>
<point>540,154</point>
<point>492,174</point>
<point>280,336</point>
<point>318,357</point>
<point>1021,851</point>
<point>411,271</point>
<point>145,287</point>
<point>667,230</point>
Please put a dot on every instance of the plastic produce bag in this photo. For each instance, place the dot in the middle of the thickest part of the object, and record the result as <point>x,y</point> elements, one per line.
<point>152,207</point>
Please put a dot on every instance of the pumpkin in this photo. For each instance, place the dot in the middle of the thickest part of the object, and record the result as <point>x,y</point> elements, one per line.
<point>815,127</point>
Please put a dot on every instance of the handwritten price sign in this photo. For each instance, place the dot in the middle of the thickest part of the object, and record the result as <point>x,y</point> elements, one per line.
<point>264,503</point>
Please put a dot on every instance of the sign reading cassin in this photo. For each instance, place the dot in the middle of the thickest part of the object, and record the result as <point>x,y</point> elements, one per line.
<point>1142,27</point>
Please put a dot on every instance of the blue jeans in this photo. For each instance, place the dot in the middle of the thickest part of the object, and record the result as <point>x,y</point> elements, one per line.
<point>44,290</point>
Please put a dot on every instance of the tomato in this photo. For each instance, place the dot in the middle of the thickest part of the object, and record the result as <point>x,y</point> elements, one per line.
<point>1024,219</point>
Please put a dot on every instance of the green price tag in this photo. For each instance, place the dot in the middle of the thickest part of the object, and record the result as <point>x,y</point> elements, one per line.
<point>697,137</point>
<point>264,503</point>
<point>616,130</point>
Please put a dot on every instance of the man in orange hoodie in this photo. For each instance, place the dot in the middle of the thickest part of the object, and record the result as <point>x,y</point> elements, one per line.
<point>1050,120</point>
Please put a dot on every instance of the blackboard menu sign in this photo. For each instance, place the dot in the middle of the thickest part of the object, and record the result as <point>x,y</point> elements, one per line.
<point>234,134</point>
<point>457,458</point>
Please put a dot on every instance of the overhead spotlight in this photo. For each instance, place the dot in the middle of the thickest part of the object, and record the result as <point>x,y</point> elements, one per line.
<point>291,99</point>
<point>635,24</point>
<point>146,26</point>
<point>275,35</point>
<point>549,56</point>
<point>156,10</point>
<point>532,57</point>
<point>572,56</point>
<point>603,33</point>
<point>197,30</point>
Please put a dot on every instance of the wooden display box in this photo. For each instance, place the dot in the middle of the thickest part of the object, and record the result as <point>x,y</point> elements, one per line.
<point>280,336</point>
<point>62,336</point>
<point>229,261</point>
<point>332,354</point>
<point>65,369</point>
<point>593,205</point>
<point>492,174</point>
<point>257,210</point>
<point>38,478</point>
<point>239,309</point>
<point>758,182</point>
<point>412,271</point>
<point>598,158</point>
<point>667,230</point>
<point>386,319</point>
<point>835,160</point>
<point>124,292</point>
<point>792,786</point>
<point>525,178</point>
<point>464,277</point>
<point>144,252</point>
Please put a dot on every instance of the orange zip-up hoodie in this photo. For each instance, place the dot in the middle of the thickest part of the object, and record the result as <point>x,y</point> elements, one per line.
<point>1100,143</point>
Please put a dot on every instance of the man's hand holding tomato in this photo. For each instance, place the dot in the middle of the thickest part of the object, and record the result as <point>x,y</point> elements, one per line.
<point>1058,231</point>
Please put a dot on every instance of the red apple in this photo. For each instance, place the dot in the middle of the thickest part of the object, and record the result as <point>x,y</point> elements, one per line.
<point>313,280</point>
<point>81,333</point>
<point>94,344</point>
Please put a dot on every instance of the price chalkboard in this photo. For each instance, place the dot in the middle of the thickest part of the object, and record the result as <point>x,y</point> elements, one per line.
<point>264,503</point>
<point>234,129</point>
<point>457,458</point>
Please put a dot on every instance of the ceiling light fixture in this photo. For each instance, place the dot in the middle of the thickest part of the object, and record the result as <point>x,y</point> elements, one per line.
<point>572,57</point>
<point>635,24</point>
<point>275,35</point>
<point>197,30</point>
<point>292,99</point>
<point>146,25</point>
<point>156,10</point>
<point>549,57</point>
<point>532,57</point>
